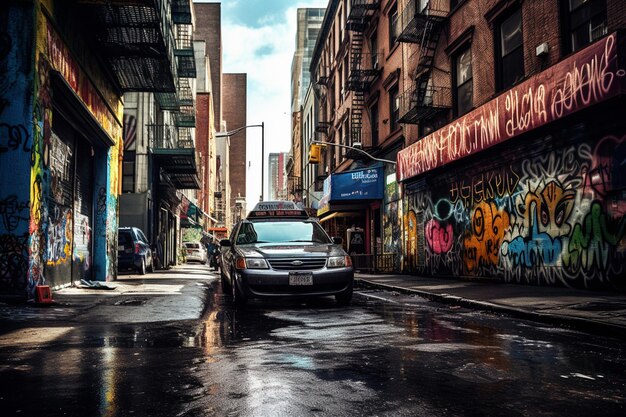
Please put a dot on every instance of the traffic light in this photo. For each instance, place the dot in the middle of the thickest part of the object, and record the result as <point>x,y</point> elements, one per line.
<point>315,153</point>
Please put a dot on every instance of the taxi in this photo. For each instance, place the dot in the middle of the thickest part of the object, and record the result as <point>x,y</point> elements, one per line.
<point>279,251</point>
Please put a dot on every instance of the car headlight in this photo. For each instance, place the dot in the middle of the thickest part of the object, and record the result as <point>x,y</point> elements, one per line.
<point>251,263</point>
<point>339,262</point>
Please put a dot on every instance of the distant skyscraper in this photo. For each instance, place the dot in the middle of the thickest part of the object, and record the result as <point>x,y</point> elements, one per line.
<point>277,177</point>
<point>309,24</point>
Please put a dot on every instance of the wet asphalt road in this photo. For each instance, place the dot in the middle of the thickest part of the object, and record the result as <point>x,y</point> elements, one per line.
<point>386,355</point>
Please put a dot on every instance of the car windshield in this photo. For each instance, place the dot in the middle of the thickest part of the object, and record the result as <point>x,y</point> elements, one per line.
<point>281,232</point>
<point>192,245</point>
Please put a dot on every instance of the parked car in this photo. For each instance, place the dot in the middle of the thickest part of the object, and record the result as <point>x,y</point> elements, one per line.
<point>195,251</point>
<point>278,251</point>
<point>133,251</point>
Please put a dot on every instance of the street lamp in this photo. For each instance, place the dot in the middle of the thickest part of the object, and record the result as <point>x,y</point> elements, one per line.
<point>239,129</point>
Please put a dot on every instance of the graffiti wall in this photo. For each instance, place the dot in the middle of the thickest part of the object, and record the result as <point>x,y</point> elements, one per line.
<point>16,143</point>
<point>44,230</point>
<point>555,216</point>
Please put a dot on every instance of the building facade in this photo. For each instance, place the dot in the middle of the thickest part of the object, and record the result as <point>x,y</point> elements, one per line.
<point>358,70</point>
<point>519,174</point>
<point>235,116</point>
<point>311,187</point>
<point>309,22</point>
<point>503,118</point>
<point>165,155</point>
<point>61,142</point>
<point>208,28</point>
<point>277,176</point>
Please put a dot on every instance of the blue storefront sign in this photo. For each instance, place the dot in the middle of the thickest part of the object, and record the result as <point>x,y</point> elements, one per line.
<point>364,184</point>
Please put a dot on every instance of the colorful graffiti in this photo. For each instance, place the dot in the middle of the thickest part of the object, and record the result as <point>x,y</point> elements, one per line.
<point>555,217</point>
<point>439,236</point>
<point>588,77</point>
<point>484,237</point>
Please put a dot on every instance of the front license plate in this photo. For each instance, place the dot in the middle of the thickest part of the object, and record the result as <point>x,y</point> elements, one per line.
<point>300,278</point>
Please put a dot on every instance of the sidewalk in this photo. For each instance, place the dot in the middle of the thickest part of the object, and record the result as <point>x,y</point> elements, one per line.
<point>590,311</point>
<point>166,295</point>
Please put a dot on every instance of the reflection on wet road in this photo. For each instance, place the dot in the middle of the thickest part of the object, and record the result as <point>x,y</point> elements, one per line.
<point>386,355</point>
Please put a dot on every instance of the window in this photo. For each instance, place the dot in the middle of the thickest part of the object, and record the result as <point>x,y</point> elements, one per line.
<point>509,51</point>
<point>394,108</point>
<point>342,83</point>
<point>393,25</point>
<point>585,22</point>
<point>346,75</point>
<point>128,172</point>
<point>374,123</point>
<point>374,49</point>
<point>463,85</point>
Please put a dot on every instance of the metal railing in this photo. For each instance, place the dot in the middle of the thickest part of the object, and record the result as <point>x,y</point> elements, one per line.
<point>413,108</point>
<point>375,263</point>
<point>164,136</point>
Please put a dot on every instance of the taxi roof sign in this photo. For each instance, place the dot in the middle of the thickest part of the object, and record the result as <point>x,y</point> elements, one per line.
<point>270,209</point>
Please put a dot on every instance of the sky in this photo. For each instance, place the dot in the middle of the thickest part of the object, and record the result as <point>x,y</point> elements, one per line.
<point>258,38</point>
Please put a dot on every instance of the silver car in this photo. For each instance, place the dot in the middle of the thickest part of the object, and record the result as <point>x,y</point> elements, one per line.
<point>195,251</point>
<point>278,253</point>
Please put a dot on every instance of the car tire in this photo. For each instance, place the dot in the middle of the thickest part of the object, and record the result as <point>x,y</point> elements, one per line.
<point>151,266</point>
<point>344,298</point>
<point>142,267</point>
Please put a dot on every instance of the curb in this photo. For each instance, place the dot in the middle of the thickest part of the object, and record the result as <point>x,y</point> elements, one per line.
<point>577,323</point>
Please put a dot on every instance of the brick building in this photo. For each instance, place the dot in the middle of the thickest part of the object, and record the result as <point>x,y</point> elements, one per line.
<point>512,159</point>
<point>234,99</point>
<point>358,67</point>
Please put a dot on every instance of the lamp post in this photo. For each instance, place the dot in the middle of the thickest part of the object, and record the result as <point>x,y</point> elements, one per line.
<point>239,129</point>
<point>354,148</point>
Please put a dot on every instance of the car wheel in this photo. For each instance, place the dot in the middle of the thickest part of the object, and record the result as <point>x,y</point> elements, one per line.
<point>142,267</point>
<point>239,299</point>
<point>344,298</point>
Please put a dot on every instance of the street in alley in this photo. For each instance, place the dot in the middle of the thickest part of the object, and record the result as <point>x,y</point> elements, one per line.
<point>171,344</point>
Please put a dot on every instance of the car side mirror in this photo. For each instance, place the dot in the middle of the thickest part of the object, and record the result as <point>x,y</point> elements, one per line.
<point>338,241</point>
<point>225,243</point>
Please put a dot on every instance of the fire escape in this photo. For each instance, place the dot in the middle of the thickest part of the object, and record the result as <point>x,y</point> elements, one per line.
<point>136,42</point>
<point>147,46</point>
<point>173,146</point>
<point>363,67</point>
<point>422,23</point>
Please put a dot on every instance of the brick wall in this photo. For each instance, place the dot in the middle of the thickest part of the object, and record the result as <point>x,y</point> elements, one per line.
<point>209,28</point>
<point>234,102</point>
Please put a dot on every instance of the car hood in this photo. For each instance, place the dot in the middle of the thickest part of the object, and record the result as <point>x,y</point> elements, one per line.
<point>300,250</point>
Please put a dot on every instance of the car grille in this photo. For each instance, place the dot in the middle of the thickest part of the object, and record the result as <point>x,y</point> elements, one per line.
<point>306,264</point>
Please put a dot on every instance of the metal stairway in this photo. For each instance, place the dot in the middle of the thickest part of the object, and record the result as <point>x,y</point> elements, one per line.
<point>356,115</point>
<point>423,100</point>
<point>361,77</point>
